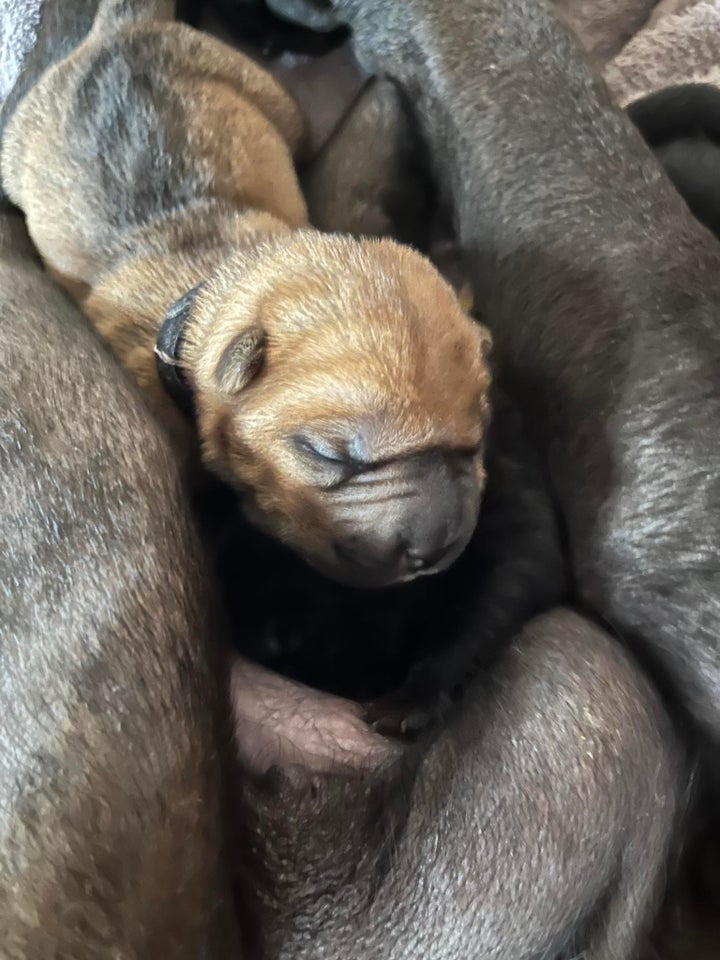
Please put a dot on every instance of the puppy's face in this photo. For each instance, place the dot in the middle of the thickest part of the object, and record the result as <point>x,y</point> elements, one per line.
<point>341,388</point>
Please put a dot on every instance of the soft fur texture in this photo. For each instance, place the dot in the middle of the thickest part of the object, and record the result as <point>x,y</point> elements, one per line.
<point>113,834</point>
<point>537,824</point>
<point>171,164</point>
<point>112,822</point>
<point>338,383</point>
<point>602,294</point>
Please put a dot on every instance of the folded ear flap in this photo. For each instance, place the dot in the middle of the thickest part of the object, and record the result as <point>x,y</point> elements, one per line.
<point>486,341</point>
<point>241,360</point>
<point>168,350</point>
<point>177,316</point>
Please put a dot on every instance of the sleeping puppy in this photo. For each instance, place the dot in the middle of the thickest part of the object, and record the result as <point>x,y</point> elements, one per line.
<point>336,383</point>
<point>602,293</point>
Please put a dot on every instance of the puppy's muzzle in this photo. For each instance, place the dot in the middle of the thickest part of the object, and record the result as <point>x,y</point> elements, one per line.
<point>378,561</point>
<point>420,527</point>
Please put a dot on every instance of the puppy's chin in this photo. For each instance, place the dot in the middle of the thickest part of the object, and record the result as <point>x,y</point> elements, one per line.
<point>360,578</point>
<point>369,578</point>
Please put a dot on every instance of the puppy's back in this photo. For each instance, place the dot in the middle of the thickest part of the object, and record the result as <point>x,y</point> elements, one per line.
<point>136,125</point>
<point>110,793</point>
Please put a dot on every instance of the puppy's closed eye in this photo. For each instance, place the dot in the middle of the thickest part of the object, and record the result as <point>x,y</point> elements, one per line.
<point>322,450</point>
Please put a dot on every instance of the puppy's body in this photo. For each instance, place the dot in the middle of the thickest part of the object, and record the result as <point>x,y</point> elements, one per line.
<point>536,825</point>
<point>112,821</point>
<point>171,164</point>
<point>130,194</point>
<point>336,382</point>
<point>603,295</point>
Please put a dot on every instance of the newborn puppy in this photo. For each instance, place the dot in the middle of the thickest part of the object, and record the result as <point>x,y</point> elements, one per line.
<point>336,383</point>
<point>114,820</point>
<point>409,650</point>
<point>537,824</point>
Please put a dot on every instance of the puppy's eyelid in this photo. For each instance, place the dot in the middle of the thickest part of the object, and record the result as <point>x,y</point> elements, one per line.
<point>319,449</point>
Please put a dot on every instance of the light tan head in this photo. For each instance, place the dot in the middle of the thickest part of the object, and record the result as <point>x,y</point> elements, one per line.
<point>340,386</point>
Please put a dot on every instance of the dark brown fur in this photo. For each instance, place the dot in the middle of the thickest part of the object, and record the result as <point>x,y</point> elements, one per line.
<point>536,825</point>
<point>528,829</point>
<point>113,834</point>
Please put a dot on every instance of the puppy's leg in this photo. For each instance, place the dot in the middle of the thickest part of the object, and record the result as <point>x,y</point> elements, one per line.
<point>538,824</point>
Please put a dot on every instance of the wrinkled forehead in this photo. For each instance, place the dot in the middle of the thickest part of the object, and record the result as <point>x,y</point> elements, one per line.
<point>387,411</point>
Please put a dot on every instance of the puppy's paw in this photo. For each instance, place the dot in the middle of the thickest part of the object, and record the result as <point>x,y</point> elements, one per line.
<point>408,712</point>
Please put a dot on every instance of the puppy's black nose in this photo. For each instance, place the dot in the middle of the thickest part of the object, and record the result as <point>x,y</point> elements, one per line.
<point>417,559</point>
<point>390,559</point>
<point>371,550</point>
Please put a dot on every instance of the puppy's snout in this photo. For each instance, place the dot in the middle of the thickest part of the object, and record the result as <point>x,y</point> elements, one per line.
<point>411,535</point>
<point>401,555</point>
<point>372,550</point>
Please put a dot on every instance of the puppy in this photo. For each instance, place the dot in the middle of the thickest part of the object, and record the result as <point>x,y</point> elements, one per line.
<point>114,820</point>
<point>537,824</point>
<point>407,651</point>
<point>336,383</point>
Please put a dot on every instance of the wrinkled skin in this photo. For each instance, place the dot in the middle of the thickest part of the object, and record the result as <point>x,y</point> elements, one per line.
<point>603,296</point>
<point>112,748</point>
<point>537,794</point>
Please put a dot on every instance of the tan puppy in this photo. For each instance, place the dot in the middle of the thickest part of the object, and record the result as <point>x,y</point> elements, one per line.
<point>336,382</point>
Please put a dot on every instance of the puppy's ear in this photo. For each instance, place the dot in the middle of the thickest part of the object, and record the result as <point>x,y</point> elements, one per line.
<point>178,312</point>
<point>241,360</point>
<point>168,351</point>
<point>486,340</point>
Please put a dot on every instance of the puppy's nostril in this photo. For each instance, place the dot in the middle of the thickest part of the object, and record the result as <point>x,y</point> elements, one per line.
<point>415,560</point>
<point>421,560</point>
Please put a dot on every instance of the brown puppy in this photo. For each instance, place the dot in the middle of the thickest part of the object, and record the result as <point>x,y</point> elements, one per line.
<point>336,382</point>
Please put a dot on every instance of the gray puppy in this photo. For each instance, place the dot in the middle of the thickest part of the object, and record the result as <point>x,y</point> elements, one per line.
<point>603,295</point>
<point>537,825</point>
<point>112,823</point>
